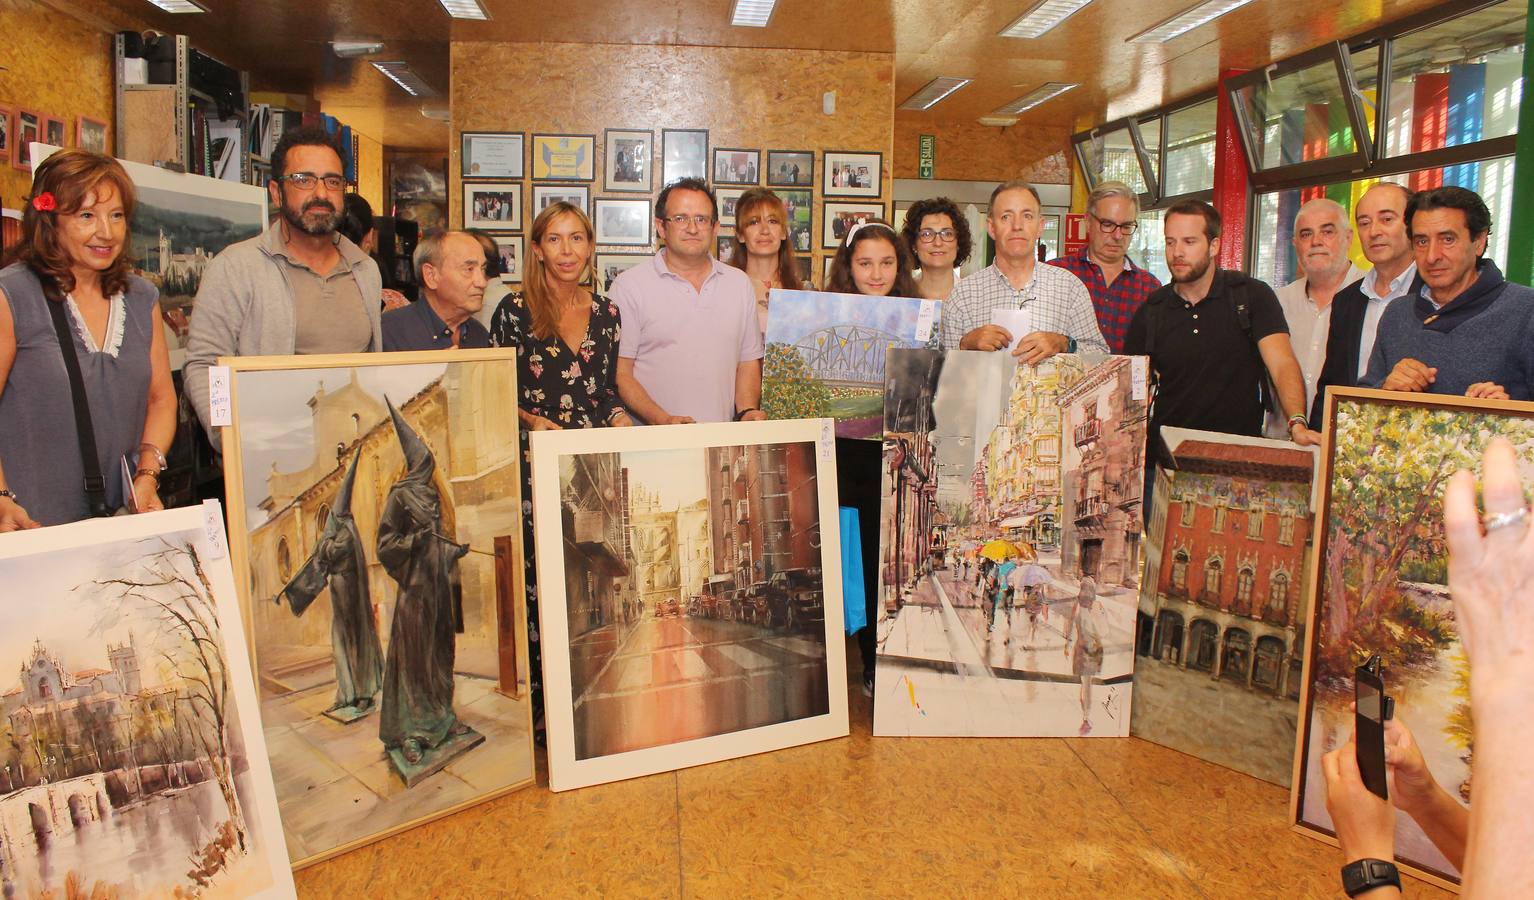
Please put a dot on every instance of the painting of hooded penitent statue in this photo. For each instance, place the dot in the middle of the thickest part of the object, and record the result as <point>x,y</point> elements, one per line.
<point>375,503</point>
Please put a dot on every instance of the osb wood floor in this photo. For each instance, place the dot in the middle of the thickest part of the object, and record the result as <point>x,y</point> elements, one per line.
<point>859,817</point>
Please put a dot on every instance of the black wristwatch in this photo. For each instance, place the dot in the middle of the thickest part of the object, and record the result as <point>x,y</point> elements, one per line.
<point>1368,874</point>
<point>739,413</point>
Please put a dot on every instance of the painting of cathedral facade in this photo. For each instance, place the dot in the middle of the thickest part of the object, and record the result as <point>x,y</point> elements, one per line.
<point>825,354</point>
<point>1221,632</point>
<point>1009,545</point>
<point>376,500</point>
<point>131,757</point>
<point>691,604</point>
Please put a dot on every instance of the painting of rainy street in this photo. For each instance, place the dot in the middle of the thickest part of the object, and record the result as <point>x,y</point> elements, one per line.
<point>692,594</point>
<point>131,763</point>
<point>1010,546</point>
<point>380,512</point>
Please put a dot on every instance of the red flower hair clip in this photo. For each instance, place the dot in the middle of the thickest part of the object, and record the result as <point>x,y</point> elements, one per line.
<point>44,202</point>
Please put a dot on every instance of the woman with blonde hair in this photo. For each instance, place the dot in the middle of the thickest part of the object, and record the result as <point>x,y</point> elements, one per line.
<point>85,380</point>
<point>765,252</point>
<point>566,337</point>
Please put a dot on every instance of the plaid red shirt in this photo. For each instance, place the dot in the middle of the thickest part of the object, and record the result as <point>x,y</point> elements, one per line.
<point>1114,304</point>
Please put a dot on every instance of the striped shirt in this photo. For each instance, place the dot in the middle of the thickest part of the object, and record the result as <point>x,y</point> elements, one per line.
<point>1115,303</point>
<point>1056,300</point>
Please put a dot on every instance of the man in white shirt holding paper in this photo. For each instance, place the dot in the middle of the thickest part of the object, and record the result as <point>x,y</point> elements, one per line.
<point>1015,303</point>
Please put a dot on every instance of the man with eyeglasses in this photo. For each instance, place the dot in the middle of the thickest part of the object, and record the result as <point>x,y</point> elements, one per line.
<point>1118,286</point>
<point>1054,304</point>
<point>1321,239</point>
<point>301,287</point>
<point>450,267</point>
<point>691,347</point>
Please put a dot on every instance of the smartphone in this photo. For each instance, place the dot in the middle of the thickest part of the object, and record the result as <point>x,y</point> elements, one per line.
<point>1369,725</point>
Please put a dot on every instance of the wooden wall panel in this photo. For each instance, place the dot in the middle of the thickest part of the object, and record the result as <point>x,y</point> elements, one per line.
<point>370,173</point>
<point>969,151</point>
<point>54,65</point>
<point>746,98</point>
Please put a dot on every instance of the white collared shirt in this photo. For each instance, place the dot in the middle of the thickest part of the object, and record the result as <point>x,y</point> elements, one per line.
<point>1309,327</point>
<point>1376,308</point>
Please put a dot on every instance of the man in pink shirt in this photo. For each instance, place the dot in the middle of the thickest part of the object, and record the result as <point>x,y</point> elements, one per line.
<point>691,347</point>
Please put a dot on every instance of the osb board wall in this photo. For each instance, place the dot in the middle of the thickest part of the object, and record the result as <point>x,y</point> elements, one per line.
<point>57,66</point>
<point>370,169</point>
<point>969,151</point>
<point>750,99</point>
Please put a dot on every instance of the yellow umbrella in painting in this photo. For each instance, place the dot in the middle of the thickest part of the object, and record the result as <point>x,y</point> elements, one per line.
<point>999,550</point>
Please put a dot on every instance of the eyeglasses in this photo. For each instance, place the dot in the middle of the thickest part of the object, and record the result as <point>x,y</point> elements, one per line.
<point>1108,226</point>
<point>305,181</point>
<point>927,235</point>
<point>681,219</point>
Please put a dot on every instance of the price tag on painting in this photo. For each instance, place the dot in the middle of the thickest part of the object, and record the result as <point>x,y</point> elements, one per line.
<point>213,529</point>
<point>219,405</point>
<point>924,321</point>
<point>1139,376</point>
<point>827,438</point>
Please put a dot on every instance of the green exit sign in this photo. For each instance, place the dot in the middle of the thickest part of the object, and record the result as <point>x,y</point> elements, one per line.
<point>928,156</point>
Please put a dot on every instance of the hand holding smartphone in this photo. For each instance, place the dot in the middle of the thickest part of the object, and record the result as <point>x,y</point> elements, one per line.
<point>1372,708</point>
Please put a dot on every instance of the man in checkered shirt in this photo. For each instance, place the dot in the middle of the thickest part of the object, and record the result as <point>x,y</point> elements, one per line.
<point>1059,307</point>
<point>1116,284</point>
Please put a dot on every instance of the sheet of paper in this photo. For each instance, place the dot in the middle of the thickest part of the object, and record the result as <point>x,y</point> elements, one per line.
<point>924,321</point>
<point>1018,322</point>
<point>219,409</point>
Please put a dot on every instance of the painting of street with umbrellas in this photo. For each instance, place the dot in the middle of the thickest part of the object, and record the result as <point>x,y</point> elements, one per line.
<point>1010,544</point>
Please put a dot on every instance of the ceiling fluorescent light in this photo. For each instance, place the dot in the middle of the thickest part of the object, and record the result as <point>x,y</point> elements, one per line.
<point>1038,95</point>
<point>752,13</point>
<point>354,49</point>
<point>934,92</point>
<point>180,6</point>
<point>998,121</point>
<point>1044,16</point>
<point>465,9</point>
<point>1186,21</point>
<point>401,74</point>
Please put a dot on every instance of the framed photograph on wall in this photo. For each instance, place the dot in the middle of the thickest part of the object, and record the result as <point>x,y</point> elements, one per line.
<point>623,222</point>
<point>839,217</point>
<point>736,166</point>
<point>490,154</point>
<point>725,247</point>
<point>727,198</point>
<point>577,195</point>
<point>628,161</point>
<point>564,157</point>
<point>686,151</point>
<point>790,168</point>
<point>805,265</point>
<point>801,218</point>
<point>825,271</point>
<point>91,134</point>
<point>29,128</point>
<point>785,659</point>
<point>510,247</point>
<point>492,204</point>
<point>55,132</point>
<point>850,174</point>
<point>7,132</point>
<point>611,265</point>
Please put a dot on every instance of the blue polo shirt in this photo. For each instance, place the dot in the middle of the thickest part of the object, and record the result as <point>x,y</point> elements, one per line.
<point>418,327</point>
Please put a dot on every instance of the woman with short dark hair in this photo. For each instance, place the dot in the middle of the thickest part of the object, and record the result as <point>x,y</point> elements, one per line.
<point>938,235</point>
<point>72,276</point>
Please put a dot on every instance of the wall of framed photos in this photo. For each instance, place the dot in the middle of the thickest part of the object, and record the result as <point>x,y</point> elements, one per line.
<point>753,104</point>
<point>65,73</point>
<point>969,151</point>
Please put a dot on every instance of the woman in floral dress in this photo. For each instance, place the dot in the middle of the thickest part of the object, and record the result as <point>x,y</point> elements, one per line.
<point>566,337</point>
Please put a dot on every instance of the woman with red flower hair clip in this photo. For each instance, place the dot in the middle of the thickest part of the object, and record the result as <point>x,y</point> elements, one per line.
<point>85,384</point>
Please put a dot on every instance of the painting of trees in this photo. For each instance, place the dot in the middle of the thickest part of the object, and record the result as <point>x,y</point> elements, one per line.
<point>169,582</point>
<point>789,388</point>
<point>1390,465</point>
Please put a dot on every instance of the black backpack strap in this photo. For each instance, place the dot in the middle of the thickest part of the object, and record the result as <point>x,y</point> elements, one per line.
<point>95,485</point>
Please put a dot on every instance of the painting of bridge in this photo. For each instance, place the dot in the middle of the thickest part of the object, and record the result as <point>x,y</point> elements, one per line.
<point>825,354</point>
<point>131,762</point>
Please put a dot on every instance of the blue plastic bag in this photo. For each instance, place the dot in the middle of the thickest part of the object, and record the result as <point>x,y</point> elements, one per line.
<point>852,570</point>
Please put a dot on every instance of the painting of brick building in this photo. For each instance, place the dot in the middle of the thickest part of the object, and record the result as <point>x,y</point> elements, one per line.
<point>1220,634</point>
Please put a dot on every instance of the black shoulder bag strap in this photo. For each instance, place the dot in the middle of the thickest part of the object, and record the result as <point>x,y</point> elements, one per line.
<point>95,485</point>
